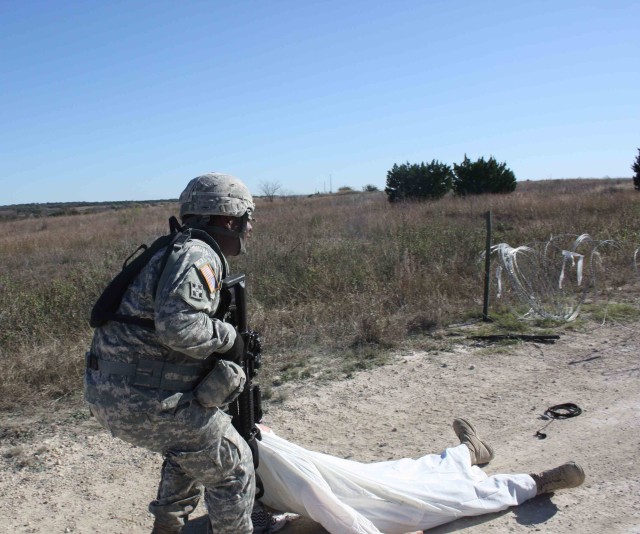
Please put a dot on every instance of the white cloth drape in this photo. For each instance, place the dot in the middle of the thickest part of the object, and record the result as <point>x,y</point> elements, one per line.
<point>391,497</point>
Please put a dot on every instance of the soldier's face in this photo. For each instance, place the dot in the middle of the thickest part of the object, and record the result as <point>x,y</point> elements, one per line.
<point>248,229</point>
<point>231,246</point>
<point>237,224</point>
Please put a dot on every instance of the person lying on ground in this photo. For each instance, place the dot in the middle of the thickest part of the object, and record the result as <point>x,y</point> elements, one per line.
<point>398,496</point>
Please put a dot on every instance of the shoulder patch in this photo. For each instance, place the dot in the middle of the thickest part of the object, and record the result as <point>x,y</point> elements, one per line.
<point>209,276</point>
<point>197,291</point>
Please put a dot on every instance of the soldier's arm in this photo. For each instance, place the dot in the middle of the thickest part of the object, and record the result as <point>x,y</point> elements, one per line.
<point>186,302</point>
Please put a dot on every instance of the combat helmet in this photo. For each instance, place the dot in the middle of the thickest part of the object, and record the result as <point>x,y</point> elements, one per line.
<point>213,194</point>
<point>216,193</point>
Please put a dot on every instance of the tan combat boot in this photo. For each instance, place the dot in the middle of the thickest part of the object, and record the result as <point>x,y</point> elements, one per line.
<point>567,475</point>
<point>481,451</point>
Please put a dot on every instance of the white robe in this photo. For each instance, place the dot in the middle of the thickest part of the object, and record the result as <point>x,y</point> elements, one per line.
<point>392,497</point>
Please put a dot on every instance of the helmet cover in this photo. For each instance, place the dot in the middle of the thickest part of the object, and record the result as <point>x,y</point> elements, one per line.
<point>216,193</point>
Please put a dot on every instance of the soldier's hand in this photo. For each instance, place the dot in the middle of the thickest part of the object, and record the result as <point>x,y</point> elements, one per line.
<point>235,353</point>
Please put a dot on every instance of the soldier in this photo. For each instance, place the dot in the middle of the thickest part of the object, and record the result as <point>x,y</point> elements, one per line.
<point>161,367</point>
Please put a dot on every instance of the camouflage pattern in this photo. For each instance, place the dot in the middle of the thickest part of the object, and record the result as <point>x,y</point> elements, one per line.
<point>200,446</point>
<point>216,194</point>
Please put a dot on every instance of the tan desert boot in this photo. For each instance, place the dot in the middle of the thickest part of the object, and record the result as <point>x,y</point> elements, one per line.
<point>567,475</point>
<point>481,451</point>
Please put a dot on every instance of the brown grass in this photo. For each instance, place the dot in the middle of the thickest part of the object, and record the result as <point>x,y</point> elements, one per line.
<point>347,275</point>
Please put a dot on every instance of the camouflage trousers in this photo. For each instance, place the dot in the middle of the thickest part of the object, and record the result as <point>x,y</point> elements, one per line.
<point>201,450</point>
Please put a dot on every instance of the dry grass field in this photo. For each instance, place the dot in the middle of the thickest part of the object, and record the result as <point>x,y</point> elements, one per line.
<point>346,275</point>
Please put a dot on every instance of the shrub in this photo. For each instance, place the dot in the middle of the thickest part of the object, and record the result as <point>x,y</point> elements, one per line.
<point>636,172</point>
<point>412,181</point>
<point>370,188</point>
<point>345,189</point>
<point>480,176</point>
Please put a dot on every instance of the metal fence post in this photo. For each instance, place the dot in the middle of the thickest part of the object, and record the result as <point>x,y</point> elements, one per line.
<point>487,270</point>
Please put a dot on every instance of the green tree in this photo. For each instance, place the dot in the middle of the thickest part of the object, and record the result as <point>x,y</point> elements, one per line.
<point>418,181</point>
<point>482,176</point>
<point>636,172</point>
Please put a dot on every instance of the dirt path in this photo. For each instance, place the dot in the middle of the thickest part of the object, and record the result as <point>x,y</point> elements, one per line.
<point>62,473</point>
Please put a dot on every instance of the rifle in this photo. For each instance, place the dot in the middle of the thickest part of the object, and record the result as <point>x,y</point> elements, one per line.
<point>246,410</point>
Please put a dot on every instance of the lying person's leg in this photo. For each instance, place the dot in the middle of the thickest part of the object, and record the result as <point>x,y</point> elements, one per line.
<point>569,475</point>
<point>481,452</point>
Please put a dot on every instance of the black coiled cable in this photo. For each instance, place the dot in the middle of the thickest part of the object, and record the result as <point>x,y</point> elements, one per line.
<point>559,411</point>
<point>563,411</point>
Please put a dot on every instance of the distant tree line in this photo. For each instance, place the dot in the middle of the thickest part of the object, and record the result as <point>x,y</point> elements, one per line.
<point>57,209</point>
<point>413,181</point>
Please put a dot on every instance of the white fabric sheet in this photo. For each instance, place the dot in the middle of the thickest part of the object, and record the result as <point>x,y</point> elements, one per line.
<point>391,497</point>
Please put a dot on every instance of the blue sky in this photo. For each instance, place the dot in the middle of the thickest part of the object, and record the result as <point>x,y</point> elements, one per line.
<point>128,100</point>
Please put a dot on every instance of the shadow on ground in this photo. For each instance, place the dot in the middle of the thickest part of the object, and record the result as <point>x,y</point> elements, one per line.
<point>533,512</point>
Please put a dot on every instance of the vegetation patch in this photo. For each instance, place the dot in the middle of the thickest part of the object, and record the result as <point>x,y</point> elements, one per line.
<point>335,282</point>
<point>618,312</point>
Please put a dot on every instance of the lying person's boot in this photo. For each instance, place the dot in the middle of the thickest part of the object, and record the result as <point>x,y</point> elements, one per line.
<point>260,518</point>
<point>481,451</point>
<point>567,475</point>
<point>159,528</point>
<point>265,522</point>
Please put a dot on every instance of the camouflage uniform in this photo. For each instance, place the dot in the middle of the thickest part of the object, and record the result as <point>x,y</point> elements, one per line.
<point>200,446</point>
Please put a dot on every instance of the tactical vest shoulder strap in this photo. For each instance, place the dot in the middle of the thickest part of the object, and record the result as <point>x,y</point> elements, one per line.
<point>106,307</point>
<point>174,252</point>
<point>169,259</point>
<point>201,235</point>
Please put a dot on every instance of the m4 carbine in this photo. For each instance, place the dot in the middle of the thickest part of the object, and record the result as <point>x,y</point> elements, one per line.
<point>246,410</point>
